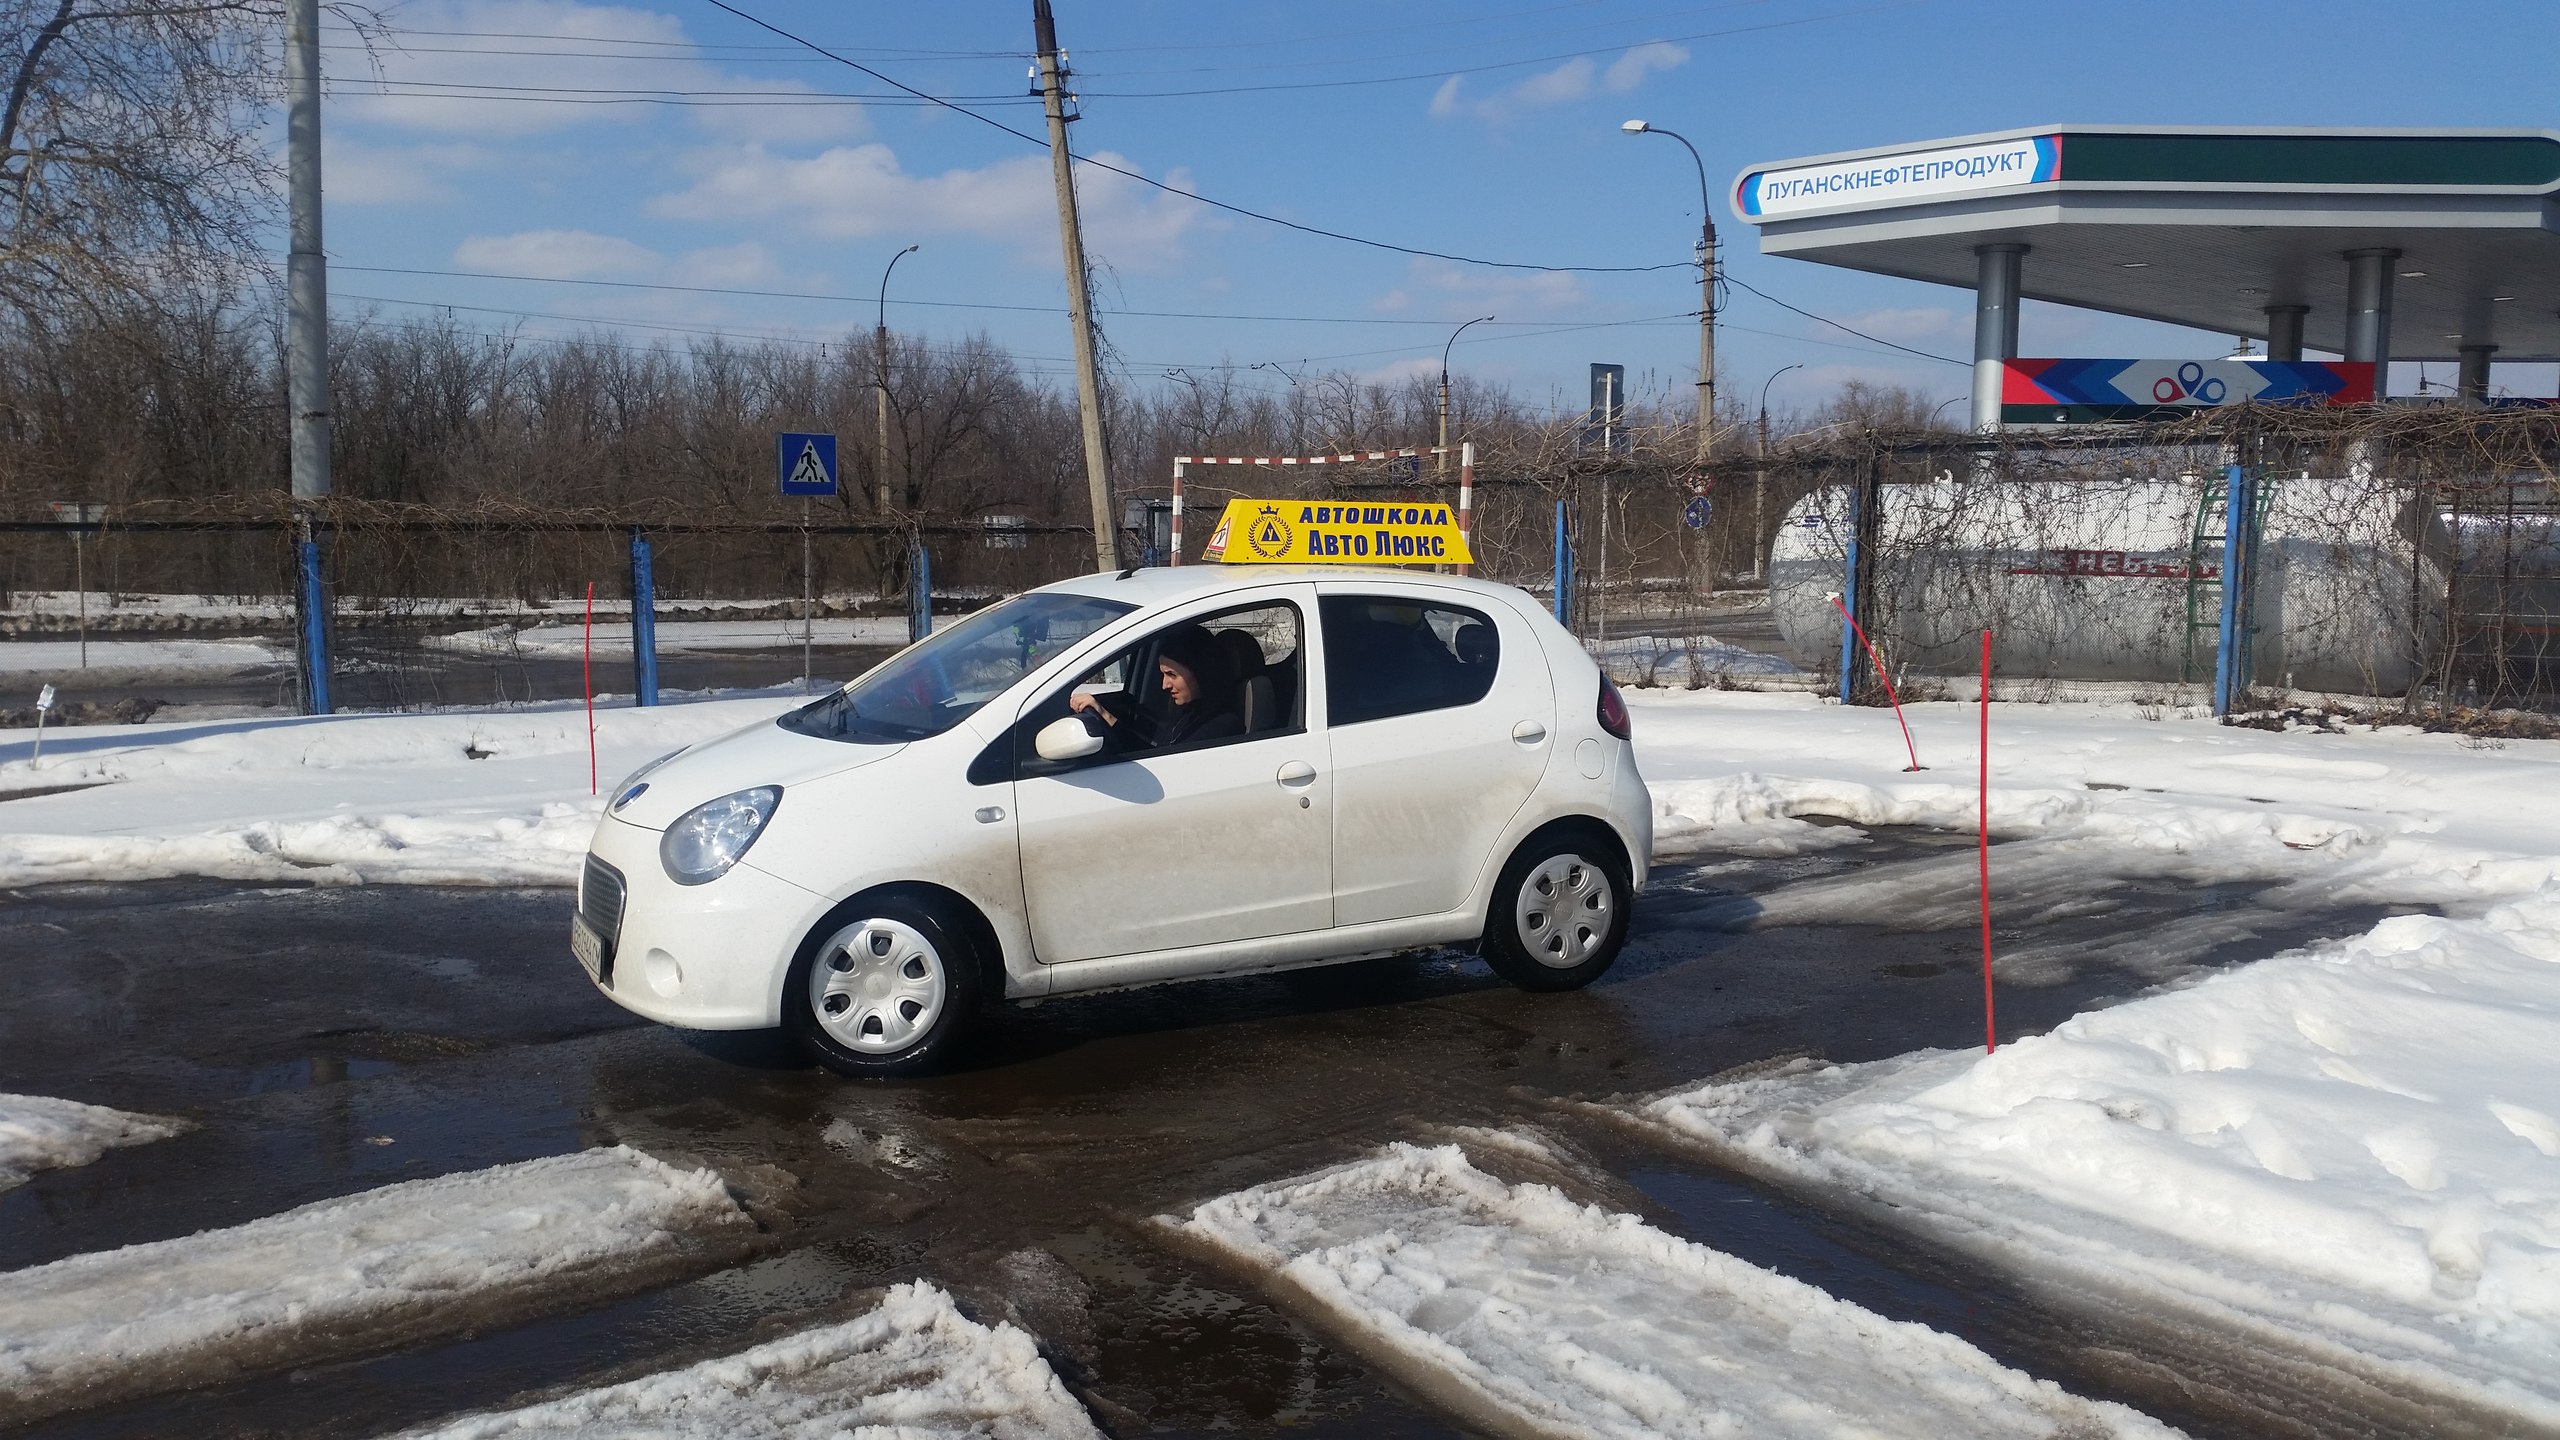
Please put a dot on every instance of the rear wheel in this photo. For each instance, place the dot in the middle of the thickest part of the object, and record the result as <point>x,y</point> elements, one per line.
<point>1559,914</point>
<point>883,986</point>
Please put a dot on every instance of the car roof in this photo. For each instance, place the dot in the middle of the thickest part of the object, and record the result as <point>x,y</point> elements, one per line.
<point>1156,585</point>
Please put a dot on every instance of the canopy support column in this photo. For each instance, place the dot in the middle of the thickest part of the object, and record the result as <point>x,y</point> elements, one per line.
<point>1995,326</point>
<point>2284,331</point>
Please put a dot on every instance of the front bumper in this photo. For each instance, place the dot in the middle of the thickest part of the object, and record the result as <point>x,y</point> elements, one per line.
<point>704,957</point>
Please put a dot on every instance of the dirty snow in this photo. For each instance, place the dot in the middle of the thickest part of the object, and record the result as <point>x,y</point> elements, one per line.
<point>38,1132</point>
<point>2350,1153</point>
<point>674,637</point>
<point>912,1367</point>
<point>59,660</point>
<point>386,1266</point>
<point>1526,1311</point>
<point>342,799</point>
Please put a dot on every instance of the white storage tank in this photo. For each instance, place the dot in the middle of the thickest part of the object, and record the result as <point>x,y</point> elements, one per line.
<point>2090,580</point>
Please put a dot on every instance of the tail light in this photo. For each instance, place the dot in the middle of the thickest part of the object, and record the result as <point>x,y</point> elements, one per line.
<point>1613,710</point>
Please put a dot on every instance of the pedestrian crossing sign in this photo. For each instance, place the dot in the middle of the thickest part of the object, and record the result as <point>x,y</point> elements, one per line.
<point>805,463</point>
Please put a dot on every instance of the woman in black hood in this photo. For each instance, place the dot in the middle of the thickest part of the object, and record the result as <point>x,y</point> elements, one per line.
<point>1193,670</point>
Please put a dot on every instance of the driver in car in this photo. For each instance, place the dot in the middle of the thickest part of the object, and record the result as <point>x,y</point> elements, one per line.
<point>1193,671</point>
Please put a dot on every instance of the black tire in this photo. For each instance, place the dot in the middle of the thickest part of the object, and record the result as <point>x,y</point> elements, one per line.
<point>884,986</point>
<point>1559,912</point>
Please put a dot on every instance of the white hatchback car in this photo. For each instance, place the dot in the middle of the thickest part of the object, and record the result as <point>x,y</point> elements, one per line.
<point>1277,767</point>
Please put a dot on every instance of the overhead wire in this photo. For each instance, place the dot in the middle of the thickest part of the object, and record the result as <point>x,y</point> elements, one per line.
<point>1191,195</point>
<point>1730,279</point>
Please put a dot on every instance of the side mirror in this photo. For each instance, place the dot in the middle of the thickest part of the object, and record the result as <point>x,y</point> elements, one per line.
<point>1066,738</point>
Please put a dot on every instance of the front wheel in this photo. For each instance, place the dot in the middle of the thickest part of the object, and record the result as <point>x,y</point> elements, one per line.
<point>1559,914</point>
<point>882,987</point>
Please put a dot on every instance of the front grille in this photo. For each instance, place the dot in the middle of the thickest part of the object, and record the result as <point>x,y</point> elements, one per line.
<point>600,895</point>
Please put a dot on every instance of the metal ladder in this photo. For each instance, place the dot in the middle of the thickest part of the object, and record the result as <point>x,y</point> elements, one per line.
<point>2204,591</point>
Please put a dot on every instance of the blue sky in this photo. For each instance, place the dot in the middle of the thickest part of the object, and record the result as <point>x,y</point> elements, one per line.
<point>502,136</point>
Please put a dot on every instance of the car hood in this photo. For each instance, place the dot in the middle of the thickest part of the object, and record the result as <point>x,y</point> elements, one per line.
<point>761,754</point>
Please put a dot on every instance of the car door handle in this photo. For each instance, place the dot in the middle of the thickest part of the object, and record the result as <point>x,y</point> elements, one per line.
<point>1297,774</point>
<point>1528,732</point>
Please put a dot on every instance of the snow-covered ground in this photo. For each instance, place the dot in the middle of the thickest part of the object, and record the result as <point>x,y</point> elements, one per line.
<point>1524,1311</point>
<point>1679,659</point>
<point>399,1263</point>
<point>674,637</point>
<point>38,1132</point>
<point>914,1366</point>
<point>2349,1155</point>
<point>127,660</point>
<point>496,798</point>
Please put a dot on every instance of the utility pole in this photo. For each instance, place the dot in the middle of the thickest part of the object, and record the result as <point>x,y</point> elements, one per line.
<point>1053,100</point>
<point>307,269</point>
<point>1706,289</point>
<point>1440,459</point>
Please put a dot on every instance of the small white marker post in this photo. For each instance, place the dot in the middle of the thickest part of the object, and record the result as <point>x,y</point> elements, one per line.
<point>44,706</point>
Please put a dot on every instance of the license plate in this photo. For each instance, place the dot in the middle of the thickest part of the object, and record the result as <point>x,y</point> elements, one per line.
<point>589,945</point>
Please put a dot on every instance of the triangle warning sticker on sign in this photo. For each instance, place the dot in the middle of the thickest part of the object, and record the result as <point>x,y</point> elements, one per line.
<point>809,470</point>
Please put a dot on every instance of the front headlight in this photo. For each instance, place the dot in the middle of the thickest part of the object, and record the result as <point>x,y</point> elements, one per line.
<point>709,838</point>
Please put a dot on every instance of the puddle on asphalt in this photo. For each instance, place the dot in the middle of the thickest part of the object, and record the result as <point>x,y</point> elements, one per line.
<point>311,1073</point>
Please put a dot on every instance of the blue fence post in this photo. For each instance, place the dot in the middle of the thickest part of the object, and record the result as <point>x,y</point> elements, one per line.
<point>315,632</point>
<point>1849,601</point>
<point>1563,570</point>
<point>644,623</point>
<point>2235,512</point>
<point>920,603</point>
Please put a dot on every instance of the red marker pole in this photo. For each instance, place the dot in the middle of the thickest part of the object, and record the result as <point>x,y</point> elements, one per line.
<point>1990,1032</point>
<point>590,687</point>
<point>1878,662</point>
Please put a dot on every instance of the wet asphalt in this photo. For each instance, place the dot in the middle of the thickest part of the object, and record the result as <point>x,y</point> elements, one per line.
<point>333,1040</point>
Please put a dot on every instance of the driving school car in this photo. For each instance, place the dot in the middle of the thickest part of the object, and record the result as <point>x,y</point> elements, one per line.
<point>1402,760</point>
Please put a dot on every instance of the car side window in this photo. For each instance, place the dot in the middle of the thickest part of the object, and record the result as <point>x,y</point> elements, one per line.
<point>1214,680</point>
<point>1387,656</point>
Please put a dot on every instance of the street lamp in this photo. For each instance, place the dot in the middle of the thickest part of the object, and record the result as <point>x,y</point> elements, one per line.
<point>1760,474</point>
<point>1440,462</point>
<point>880,352</point>
<point>1707,289</point>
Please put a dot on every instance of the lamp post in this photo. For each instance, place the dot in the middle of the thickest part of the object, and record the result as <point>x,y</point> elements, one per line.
<point>1760,475</point>
<point>1297,408</point>
<point>880,353</point>
<point>1440,461</point>
<point>1706,289</point>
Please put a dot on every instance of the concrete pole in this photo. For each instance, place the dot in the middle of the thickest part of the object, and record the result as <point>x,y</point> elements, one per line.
<point>880,419</point>
<point>1467,499</point>
<point>1995,326</point>
<point>2369,277</point>
<point>2284,331</point>
<point>1706,331</point>
<point>2473,379</point>
<point>307,269</point>
<point>1097,469</point>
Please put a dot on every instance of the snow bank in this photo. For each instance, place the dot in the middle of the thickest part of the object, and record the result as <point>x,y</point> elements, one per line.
<point>2349,1154</point>
<point>674,637</point>
<point>495,798</point>
<point>40,1133</point>
<point>913,1367</point>
<point>113,660</point>
<point>2389,815</point>
<point>1524,1310</point>
<point>385,1267</point>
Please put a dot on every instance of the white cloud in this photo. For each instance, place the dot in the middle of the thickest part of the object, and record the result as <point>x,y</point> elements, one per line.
<point>860,190</point>
<point>558,255</point>
<point>1576,79</point>
<point>1508,293</point>
<point>456,67</point>
<point>746,263</point>
<point>1913,325</point>
<point>360,174</point>
<point>1628,71</point>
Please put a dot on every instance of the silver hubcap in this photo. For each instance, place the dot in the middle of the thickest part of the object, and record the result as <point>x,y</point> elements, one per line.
<point>877,986</point>
<point>1564,911</point>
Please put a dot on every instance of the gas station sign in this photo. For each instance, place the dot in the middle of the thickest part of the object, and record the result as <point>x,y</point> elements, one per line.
<point>2079,392</point>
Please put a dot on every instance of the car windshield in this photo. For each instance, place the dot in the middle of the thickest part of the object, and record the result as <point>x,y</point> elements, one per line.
<point>943,681</point>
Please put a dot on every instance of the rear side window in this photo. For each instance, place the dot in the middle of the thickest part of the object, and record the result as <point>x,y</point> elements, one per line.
<point>1387,656</point>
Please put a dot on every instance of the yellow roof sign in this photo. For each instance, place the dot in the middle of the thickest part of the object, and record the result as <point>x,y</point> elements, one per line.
<point>1325,532</point>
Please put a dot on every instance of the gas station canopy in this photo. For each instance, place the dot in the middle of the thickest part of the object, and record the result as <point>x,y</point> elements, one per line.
<point>2372,244</point>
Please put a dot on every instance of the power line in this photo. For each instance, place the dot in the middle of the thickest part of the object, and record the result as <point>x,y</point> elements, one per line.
<point>1836,325</point>
<point>1188,194</point>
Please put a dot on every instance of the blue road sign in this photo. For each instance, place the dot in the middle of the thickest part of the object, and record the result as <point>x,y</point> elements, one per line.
<point>1696,512</point>
<point>805,464</point>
